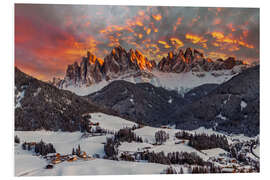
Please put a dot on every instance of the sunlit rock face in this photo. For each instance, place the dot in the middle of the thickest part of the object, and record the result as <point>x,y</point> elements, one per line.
<point>119,62</point>
<point>133,63</point>
<point>194,60</point>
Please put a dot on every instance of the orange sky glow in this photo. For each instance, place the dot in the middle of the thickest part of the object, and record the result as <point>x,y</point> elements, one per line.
<point>49,37</point>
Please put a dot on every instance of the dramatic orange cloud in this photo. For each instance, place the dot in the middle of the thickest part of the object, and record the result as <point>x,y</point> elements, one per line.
<point>49,37</point>
<point>157,17</point>
<point>227,39</point>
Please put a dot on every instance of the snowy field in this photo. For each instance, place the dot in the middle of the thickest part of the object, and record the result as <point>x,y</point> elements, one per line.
<point>28,164</point>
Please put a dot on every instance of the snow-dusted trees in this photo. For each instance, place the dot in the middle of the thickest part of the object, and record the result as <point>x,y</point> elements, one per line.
<point>173,158</point>
<point>39,148</point>
<point>17,139</point>
<point>204,141</point>
<point>126,134</point>
<point>73,151</point>
<point>43,148</point>
<point>194,170</point>
<point>110,148</point>
<point>161,137</point>
<point>78,150</point>
<point>170,170</point>
<point>122,135</point>
<point>24,146</point>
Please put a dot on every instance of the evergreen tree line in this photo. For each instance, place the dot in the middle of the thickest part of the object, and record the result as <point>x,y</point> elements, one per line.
<point>204,141</point>
<point>172,158</point>
<point>40,148</point>
<point>195,169</point>
<point>171,170</point>
<point>206,169</point>
<point>126,135</point>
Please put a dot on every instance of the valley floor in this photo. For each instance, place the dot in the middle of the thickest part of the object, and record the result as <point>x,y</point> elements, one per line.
<point>27,163</point>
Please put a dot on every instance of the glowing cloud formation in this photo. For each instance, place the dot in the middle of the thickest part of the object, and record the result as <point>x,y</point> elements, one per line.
<point>48,37</point>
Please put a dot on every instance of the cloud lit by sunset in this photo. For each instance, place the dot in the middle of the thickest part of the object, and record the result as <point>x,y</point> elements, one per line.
<point>49,37</point>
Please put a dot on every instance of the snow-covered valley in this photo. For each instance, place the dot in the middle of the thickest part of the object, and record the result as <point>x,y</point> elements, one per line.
<point>28,163</point>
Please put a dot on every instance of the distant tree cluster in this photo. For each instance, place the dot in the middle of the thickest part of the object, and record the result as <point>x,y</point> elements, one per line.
<point>39,148</point>
<point>173,158</point>
<point>211,168</point>
<point>126,135</point>
<point>84,124</point>
<point>206,169</point>
<point>200,170</point>
<point>17,139</point>
<point>110,148</point>
<point>127,157</point>
<point>161,137</point>
<point>123,135</point>
<point>77,151</point>
<point>43,148</point>
<point>204,141</point>
<point>171,170</point>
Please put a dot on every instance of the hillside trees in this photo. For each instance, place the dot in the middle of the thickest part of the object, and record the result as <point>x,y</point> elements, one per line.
<point>161,137</point>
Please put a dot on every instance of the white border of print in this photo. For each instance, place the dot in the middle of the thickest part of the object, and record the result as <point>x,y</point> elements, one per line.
<point>7,82</point>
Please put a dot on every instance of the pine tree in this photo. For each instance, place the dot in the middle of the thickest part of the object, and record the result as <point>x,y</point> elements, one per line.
<point>181,171</point>
<point>24,146</point>
<point>17,139</point>
<point>73,152</point>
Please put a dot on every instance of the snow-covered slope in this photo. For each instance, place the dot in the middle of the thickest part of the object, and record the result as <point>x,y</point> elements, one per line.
<point>109,122</point>
<point>181,82</point>
<point>256,150</point>
<point>85,90</point>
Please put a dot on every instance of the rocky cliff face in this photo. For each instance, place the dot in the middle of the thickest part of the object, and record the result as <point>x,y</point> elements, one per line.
<point>88,72</point>
<point>193,60</point>
<point>120,62</point>
<point>93,70</point>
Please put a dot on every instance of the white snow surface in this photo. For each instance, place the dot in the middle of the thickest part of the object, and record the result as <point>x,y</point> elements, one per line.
<point>86,90</point>
<point>109,122</point>
<point>214,152</point>
<point>243,105</point>
<point>256,150</point>
<point>221,116</point>
<point>133,146</point>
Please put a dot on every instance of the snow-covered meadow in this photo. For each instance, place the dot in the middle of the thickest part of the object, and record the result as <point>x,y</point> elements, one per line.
<point>28,164</point>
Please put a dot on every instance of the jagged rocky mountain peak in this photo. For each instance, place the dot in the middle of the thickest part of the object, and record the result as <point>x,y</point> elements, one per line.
<point>91,69</point>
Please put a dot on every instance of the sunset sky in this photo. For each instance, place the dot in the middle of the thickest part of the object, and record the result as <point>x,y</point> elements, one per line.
<point>49,37</point>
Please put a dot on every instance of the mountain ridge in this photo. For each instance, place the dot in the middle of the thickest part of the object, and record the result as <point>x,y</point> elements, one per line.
<point>92,70</point>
